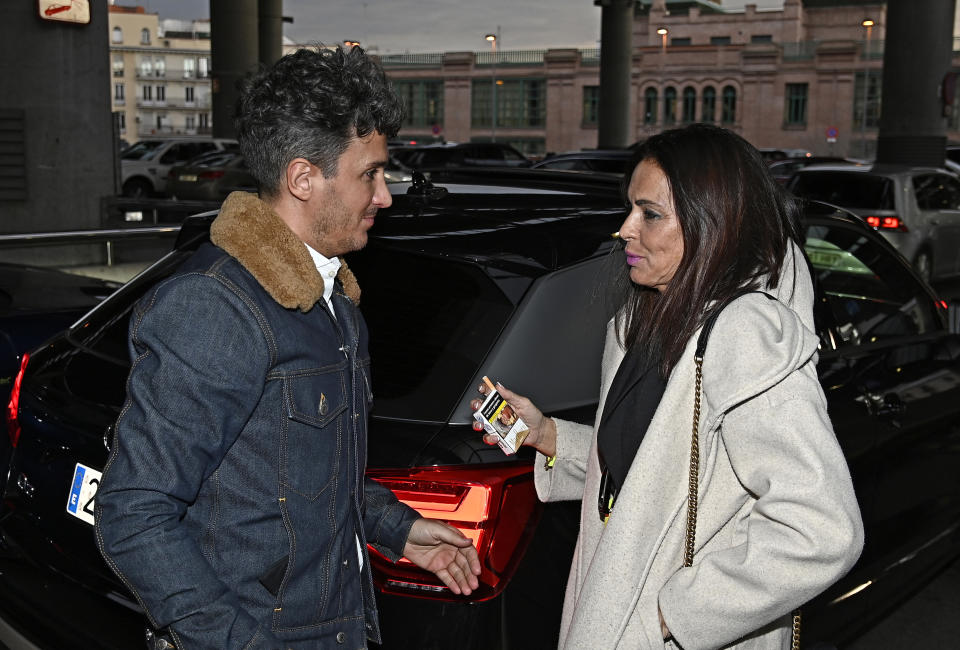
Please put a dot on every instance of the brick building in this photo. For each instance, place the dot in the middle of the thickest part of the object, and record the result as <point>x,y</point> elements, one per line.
<point>780,77</point>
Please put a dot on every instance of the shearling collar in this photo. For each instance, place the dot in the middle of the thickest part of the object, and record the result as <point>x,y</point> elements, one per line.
<point>256,237</point>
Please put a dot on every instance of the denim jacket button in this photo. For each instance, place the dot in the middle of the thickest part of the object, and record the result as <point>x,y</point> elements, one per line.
<point>341,637</point>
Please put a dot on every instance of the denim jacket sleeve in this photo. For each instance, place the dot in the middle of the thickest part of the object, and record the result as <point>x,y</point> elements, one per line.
<point>199,362</point>
<point>386,521</point>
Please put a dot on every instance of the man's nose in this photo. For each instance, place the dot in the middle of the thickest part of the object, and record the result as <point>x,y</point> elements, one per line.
<point>382,198</point>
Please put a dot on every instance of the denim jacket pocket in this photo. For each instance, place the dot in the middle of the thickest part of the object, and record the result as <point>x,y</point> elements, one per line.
<point>314,435</point>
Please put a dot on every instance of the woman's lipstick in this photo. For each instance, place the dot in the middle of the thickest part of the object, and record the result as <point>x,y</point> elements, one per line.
<point>632,259</point>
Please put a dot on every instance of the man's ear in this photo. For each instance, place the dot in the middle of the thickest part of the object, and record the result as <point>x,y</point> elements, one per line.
<point>301,178</point>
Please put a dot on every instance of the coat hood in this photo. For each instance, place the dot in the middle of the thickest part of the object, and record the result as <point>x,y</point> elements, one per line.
<point>252,233</point>
<point>782,338</point>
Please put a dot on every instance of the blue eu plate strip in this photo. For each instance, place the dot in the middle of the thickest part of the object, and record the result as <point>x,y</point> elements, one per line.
<point>75,492</point>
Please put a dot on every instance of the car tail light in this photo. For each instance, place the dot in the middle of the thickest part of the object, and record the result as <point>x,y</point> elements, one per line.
<point>886,223</point>
<point>494,505</point>
<point>211,174</point>
<point>13,423</point>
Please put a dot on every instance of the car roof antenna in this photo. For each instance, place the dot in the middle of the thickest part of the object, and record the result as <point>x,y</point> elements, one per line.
<point>423,188</point>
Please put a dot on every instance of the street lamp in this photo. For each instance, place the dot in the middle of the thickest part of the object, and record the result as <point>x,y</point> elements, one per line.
<point>663,31</point>
<point>493,85</point>
<point>868,23</point>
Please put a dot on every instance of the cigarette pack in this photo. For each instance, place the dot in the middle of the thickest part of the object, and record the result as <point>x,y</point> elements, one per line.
<point>499,418</point>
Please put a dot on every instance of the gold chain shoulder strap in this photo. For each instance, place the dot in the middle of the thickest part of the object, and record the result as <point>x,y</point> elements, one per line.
<point>694,473</point>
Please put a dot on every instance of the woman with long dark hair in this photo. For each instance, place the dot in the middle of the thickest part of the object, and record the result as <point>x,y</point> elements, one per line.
<point>710,535</point>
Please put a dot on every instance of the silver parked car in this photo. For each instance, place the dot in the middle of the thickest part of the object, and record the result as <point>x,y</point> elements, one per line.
<point>917,209</point>
<point>145,165</point>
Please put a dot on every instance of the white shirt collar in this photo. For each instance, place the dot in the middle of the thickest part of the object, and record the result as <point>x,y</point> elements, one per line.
<point>328,269</point>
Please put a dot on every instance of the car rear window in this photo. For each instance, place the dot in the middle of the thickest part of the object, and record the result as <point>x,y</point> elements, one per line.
<point>431,322</point>
<point>848,190</point>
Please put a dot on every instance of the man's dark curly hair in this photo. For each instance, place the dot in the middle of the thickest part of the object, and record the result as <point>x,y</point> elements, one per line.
<point>311,104</point>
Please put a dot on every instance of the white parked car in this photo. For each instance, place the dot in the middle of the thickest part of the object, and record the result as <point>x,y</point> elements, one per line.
<point>144,165</point>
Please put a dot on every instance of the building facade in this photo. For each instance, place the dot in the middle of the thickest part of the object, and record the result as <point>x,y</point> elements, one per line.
<point>806,76</point>
<point>160,74</point>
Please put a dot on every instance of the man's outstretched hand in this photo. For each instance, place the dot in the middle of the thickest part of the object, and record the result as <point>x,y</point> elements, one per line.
<point>442,549</point>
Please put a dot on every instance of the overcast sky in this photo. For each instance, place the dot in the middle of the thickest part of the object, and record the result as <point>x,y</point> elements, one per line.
<point>395,26</point>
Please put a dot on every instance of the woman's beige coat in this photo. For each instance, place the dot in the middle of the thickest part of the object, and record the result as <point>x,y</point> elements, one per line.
<point>778,519</point>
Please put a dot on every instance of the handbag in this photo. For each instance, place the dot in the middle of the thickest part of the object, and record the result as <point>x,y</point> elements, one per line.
<point>695,452</point>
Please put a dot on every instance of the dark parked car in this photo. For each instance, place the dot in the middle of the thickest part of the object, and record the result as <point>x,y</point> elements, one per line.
<point>35,304</point>
<point>784,169</point>
<point>470,154</point>
<point>508,266</point>
<point>607,161</point>
<point>210,177</point>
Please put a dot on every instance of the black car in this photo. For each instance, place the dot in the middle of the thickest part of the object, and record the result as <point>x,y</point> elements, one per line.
<point>35,304</point>
<point>468,154</point>
<point>783,169</point>
<point>503,275</point>
<point>605,161</point>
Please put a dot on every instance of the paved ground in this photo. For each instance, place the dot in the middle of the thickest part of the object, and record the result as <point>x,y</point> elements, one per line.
<point>927,620</point>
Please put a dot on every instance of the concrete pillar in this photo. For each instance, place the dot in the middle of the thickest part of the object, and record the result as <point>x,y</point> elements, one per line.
<point>917,55</point>
<point>234,51</point>
<point>271,30</point>
<point>616,48</point>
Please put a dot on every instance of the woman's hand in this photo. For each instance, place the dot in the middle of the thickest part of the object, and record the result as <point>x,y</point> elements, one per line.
<point>543,430</point>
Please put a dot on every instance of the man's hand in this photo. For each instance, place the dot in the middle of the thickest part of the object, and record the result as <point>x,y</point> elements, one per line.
<point>440,548</point>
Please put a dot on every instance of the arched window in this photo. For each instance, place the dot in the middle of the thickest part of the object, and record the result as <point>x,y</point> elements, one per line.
<point>709,111</point>
<point>670,105</point>
<point>650,106</point>
<point>728,112</point>
<point>117,35</point>
<point>689,105</point>
<point>145,36</point>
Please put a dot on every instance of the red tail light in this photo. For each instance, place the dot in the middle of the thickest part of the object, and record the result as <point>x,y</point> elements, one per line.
<point>495,505</point>
<point>13,424</point>
<point>886,223</point>
<point>211,175</point>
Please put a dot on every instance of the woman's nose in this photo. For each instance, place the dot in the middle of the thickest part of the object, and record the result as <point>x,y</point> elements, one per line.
<point>628,229</point>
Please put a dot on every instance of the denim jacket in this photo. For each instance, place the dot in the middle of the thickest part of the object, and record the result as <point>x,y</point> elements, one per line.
<point>234,494</point>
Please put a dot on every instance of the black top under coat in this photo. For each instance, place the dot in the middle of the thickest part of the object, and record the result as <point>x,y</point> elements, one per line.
<point>632,399</point>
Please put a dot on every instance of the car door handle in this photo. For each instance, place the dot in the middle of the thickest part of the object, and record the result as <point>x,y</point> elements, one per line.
<point>888,407</point>
<point>891,407</point>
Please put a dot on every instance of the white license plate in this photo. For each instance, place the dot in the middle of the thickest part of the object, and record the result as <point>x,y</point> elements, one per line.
<point>83,490</point>
<point>190,178</point>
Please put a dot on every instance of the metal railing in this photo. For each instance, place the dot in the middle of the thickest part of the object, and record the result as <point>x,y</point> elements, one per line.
<point>430,59</point>
<point>106,236</point>
<point>509,57</point>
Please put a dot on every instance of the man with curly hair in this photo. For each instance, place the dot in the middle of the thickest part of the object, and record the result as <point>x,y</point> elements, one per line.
<point>234,504</point>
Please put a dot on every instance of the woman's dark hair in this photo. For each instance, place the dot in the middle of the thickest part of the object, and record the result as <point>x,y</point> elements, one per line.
<point>736,222</point>
<point>311,104</point>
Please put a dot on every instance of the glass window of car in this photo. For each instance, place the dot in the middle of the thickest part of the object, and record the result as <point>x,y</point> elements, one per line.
<point>870,293</point>
<point>142,150</point>
<point>184,151</point>
<point>446,319</point>
<point>848,190</point>
<point>936,192</point>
